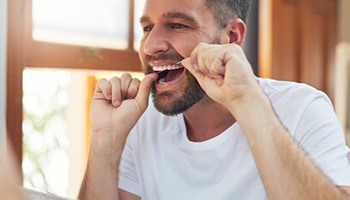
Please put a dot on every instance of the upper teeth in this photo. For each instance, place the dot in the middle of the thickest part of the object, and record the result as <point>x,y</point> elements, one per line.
<point>167,67</point>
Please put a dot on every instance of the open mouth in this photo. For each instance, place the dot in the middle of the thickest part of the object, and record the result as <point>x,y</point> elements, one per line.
<point>168,73</point>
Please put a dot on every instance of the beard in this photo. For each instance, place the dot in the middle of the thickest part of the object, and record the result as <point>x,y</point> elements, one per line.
<point>192,93</point>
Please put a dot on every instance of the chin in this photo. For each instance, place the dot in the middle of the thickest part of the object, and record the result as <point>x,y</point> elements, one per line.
<point>176,102</point>
<point>170,105</point>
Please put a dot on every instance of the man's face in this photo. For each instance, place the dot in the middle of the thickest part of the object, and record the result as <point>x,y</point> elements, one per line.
<point>172,29</point>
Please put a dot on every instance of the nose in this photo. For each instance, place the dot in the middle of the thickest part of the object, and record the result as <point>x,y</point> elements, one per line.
<point>156,41</point>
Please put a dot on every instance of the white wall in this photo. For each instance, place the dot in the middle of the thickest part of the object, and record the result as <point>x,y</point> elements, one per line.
<point>342,67</point>
<point>3,33</point>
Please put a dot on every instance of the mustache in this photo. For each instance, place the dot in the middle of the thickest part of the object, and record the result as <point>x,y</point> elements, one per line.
<point>167,57</point>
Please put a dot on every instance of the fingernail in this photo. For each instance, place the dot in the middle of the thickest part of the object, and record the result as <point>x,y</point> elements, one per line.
<point>116,103</point>
<point>219,80</point>
<point>109,97</point>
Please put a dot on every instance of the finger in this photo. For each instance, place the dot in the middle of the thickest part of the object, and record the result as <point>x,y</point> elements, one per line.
<point>192,60</point>
<point>103,86</point>
<point>219,80</point>
<point>144,90</point>
<point>191,65</point>
<point>213,65</point>
<point>133,88</point>
<point>201,58</point>
<point>116,91</point>
<point>125,81</point>
<point>217,68</point>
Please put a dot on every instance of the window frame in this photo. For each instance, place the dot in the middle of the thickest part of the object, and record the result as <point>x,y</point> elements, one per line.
<point>23,51</point>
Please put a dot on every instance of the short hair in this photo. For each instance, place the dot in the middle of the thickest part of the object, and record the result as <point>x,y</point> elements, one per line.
<point>225,10</point>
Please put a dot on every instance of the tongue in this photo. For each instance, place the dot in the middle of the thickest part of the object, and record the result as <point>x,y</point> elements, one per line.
<point>172,75</point>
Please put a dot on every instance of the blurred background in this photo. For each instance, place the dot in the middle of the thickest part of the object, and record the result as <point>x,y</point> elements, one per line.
<point>52,52</point>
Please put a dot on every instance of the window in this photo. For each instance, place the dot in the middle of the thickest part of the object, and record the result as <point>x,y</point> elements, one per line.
<point>94,23</point>
<point>85,40</point>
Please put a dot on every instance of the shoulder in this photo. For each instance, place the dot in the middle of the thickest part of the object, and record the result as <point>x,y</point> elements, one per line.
<point>279,89</point>
<point>292,100</point>
<point>291,93</point>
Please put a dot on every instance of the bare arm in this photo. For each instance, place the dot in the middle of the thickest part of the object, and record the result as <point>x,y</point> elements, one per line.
<point>107,185</point>
<point>287,173</point>
<point>285,169</point>
<point>100,181</point>
<point>116,107</point>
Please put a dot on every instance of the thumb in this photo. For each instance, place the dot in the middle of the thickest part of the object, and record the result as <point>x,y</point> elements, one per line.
<point>144,90</point>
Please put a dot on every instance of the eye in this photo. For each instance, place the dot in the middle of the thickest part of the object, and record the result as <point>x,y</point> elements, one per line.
<point>147,29</point>
<point>177,26</point>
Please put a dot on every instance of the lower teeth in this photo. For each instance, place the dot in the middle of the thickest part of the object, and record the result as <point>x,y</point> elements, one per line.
<point>162,80</point>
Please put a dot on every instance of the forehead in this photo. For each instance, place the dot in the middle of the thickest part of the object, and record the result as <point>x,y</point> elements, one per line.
<point>159,9</point>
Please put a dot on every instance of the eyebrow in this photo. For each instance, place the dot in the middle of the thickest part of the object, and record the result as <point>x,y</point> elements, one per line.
<point>172,15</point>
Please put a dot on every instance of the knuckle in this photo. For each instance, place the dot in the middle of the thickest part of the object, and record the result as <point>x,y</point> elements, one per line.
<point>102,83</point>
<point>135,80</point>
<point>125,75</point>
<point>134,83</point>
<point>114,79</point>
<point>202,44</point>
<point>133,88</point>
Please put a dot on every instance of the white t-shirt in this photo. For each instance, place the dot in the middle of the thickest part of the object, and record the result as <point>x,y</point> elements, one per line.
<point>159,162</point>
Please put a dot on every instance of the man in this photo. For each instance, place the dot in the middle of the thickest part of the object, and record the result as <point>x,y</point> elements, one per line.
<point>223,134</point>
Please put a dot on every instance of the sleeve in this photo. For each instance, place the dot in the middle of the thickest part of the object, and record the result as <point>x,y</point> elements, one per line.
<point>320,135</point>
<point>128,178</point>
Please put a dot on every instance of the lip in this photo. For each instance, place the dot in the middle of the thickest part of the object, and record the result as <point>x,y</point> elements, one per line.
<point>172,85</point>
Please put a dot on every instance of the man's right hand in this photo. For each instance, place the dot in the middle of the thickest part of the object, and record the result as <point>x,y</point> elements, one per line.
<point>116,106</point>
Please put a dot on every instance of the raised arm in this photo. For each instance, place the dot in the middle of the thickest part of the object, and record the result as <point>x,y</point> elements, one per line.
<point>225,74</point>
<point>116,107</point>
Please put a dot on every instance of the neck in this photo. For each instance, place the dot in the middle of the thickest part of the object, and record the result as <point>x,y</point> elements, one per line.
<point>207,119</point>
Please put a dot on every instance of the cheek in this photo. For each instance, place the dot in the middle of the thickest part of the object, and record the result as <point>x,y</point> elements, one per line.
<point>184,47</point>
<point>142,54</point>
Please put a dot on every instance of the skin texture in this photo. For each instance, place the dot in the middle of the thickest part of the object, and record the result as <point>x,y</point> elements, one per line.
<point>224,73</point>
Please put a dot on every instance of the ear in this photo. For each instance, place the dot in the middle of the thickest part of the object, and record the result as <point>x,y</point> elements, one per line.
<point>236,30</point>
